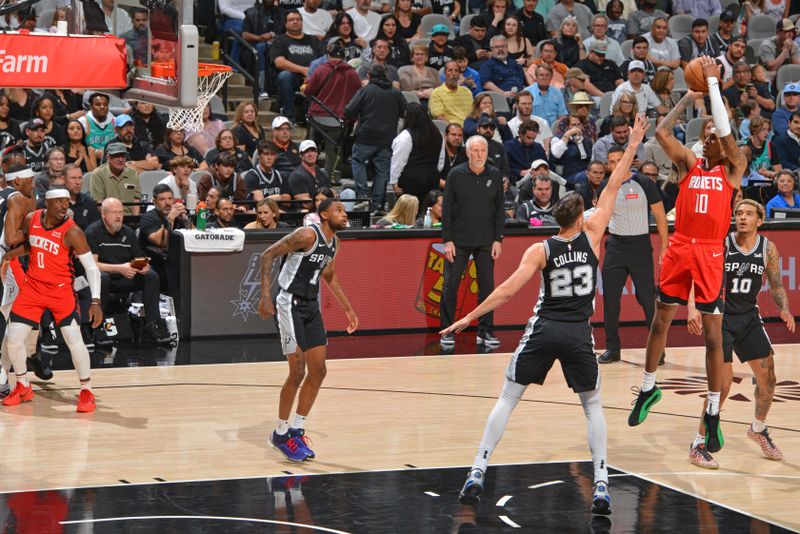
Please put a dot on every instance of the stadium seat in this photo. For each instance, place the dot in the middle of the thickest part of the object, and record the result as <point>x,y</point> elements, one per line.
<point>442,125</point>
<point>693,130</point>
<point>411,97</point>
<point>464,26</point>
<point>761,27</point>
<point>713,24</point>
<point>787,73</point>
<point>605,104</point>
<point>627,46</point>
<point>751,52</point>
<point>148,180</point>
<point>680,26</point>
<point>499,101</point>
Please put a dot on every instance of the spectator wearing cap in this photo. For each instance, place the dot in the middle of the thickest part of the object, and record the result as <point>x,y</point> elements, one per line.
<point>724,35</point>
<point>451,102</point>
<point>316,21</point>
<point>580,107</point>
<point>787,145</point>
<point>791,104</point>
<point>263,180</point>
<point>599,35</point>
<point>116,180</point>
<point>547,55</point>
<point>500,73</point>
<point>742,89</point>
<point>288,158</point>
<point>646,98</point>
<point>574,82</point>
<point>439,52</point>
<point>475,43</point>
<point>664,50</point>
<point>701,9</point>
<point>781,49</point>
<point>223,174</point>
<point>262,23</point>
<point>548,103</point>
<point>381,48</point>
<point>140,154</point>
<point>333,83</point>
<point>182,186</point>
<point>533,26</point>
<point>36,145</point>
<point>375,106</point>
<point>306,178</point>
<point>572,150</point>
<point>730,57</point>
<point>497,156</point>
<point>620,133</point>
<point>524,110</point>
<point>604,75</point>
<point>366,22</point>
<point>467,76</point>
<point>697,43</point>
<point>640,51</point>
<point>541,205</point>
<point>568,9</point>
<point>523,150</point>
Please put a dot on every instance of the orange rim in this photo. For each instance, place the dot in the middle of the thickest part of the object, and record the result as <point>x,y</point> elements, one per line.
<point>166,69</point>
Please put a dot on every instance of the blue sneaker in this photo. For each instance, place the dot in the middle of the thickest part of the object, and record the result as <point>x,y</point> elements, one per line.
<point>289,446</point>
<point>471,492</point>
<point>303,441</point>
<point>601,499</point>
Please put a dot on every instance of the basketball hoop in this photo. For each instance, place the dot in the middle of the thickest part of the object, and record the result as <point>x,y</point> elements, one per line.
<point>210,78</point>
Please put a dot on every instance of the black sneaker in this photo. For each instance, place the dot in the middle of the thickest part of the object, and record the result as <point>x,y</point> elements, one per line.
<point>471,492</point>
<point>487,339</point>
<point>714,440</point>
<point>663,359</point>
<point>157,332</point>
<point>641,406</point>
<point>101,338</point>
<point>447,340</point>
<point>40,369</point>
<point>609,356</point>
<point>49,343</point>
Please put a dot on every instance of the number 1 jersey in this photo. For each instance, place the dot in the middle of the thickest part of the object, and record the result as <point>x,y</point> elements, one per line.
<point>703,208</point>
<point>301,271</point>
<point>568,279</point>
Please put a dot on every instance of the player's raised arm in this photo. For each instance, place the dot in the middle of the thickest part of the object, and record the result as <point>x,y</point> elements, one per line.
<point>597,223</point>
<point>301,239</point>
<point>681,156</point>
<point>776,288</point>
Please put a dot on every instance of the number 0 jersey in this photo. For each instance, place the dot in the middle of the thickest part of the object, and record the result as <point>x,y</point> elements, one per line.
<point>568,279</point>
<point>704,204</point>
<point>301,271</point>
<point>744,273</point>
<point>50,257</point>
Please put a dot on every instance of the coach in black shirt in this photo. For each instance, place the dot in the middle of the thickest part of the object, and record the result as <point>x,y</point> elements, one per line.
<point>472,224</point>
<point>83,207</point>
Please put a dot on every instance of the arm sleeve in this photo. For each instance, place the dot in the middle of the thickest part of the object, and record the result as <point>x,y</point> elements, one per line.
<point>401,148</point>
<point>92,273</point>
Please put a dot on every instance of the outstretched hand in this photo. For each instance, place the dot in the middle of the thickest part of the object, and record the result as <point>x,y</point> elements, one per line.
<point>456,327</point>
<point>640,126</point>
<point>710,67</point>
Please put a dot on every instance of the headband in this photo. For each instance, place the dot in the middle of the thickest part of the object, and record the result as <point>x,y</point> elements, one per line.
<point>56,193</point>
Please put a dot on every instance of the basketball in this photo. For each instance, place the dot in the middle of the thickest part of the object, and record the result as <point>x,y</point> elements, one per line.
<point>695,79</point>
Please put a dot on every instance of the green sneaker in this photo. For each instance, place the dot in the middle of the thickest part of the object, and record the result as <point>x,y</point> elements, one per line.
<point>641,407</point>
<point>714,440</point>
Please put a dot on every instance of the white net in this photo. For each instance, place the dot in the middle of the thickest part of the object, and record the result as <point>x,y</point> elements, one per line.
<point>209,81</point>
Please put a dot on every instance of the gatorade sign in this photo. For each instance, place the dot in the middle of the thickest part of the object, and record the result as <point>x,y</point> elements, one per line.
<point>32,60</point>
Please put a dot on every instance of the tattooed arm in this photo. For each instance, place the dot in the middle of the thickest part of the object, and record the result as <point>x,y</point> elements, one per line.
<point>776,286</point>
<point>301,239</point>
<point>681,156</point>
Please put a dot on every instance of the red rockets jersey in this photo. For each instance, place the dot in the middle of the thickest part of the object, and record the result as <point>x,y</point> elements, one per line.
<point>50,258</point>
<point>703,209</point>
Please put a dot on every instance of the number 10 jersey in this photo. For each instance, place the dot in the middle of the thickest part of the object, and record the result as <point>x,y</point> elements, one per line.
<point>703,207</point>
<point>568,280</point>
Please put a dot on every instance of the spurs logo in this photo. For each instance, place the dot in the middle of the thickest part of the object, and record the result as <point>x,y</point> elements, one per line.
<point>741,389</point>
<point>249,289</point>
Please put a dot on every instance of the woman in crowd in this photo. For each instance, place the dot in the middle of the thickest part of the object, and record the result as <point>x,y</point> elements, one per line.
<point>54,163</point>
<point>433,202</point>
<point>787,196</point>
<point>342,27</point>
<point>10,132</point>
<point>569,43</point>
<point>415,155</point>
<point>418,77</point>
<point>399,55</point>
<point>44,108</point>
<point>406,20</point>
<point>247,130</point>
<point>617,25</point>
<point>175,145</point>
<point>581,106</point>
<point>312,217</point>
<point>496,12</point>
<point>520,48</point>
<point>573,151</point>
<point>626,106</point>
<point>78,152</point>
<point>226,142</point>
<point>69,105</point>
<point>483,105</point>
<point>21,101</point>
<point>203,140</point>
<point>267,214</point>
<point>148,124</point>
<point>662,86</point>
<point>404,213</point>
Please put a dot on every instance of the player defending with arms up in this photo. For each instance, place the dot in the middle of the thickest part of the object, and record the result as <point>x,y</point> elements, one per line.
<point>695,255</point>
<point>310,253</point>
<point>560,329</point>
<point>51,239</point>
<point>749,255</point>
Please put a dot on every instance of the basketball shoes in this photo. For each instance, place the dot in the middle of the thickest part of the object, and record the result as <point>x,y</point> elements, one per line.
<point>86,402</point>
<point>601,499</point>
<point>769,448</point>
<point>303,441</point>
<point>471,492</point>
<point>700,457</point>
<point>714,439</point>
<point>18,395</point>
<point>645,400</point>
<point>289,446</point>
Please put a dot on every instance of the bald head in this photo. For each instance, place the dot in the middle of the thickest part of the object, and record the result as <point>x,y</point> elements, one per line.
<point>112,213</point>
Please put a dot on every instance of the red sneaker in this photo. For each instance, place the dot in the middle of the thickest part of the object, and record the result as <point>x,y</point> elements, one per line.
<point>19,395</point>
<point>86,401</point>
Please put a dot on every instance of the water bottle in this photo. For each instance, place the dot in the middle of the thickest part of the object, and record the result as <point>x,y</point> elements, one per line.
<point>427,221</point>
<point>191,202</point>
<point>215,50</point>
<point>202,215</point>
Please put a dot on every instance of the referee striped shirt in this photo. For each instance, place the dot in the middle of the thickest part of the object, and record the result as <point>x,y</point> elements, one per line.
<point>631,215</point>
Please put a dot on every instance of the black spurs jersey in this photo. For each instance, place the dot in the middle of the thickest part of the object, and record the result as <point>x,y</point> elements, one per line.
<point>744,272</point>
<point>568,279</point>
<point>301,271</point>
<point>5,194</point>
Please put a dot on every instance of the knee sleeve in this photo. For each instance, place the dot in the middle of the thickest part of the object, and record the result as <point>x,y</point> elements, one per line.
<point>77,348</point>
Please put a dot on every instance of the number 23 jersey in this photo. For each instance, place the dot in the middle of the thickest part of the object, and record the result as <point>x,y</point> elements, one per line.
<point>301,271</point>
<point>568,279</point>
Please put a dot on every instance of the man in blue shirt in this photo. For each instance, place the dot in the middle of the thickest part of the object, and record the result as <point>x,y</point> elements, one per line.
<point>548,102</point>
<point>787,146</point>
<point>499,73</point>
<point>523,150</point>
<point>791,104</point>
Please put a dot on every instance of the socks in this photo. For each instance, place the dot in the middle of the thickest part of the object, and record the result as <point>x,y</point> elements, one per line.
<point>649,381</point>
<point>299,421</point>
<point>759,426</point>
<point>283,427</point>
<point>698,440</point>
<point>85,384</point>
<point>23,379</point>
<point>713,403</point>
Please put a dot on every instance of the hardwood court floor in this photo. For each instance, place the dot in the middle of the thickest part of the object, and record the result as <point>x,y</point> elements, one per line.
<point>211,421</point>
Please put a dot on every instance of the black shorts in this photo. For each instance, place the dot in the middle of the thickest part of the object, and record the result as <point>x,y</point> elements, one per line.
<point>299,323</point>
<point>546,341</point>
<point>745,335</point>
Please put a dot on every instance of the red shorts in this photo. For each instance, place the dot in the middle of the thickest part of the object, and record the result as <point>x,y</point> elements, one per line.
<point>688,260</point>
<point>35,297</point>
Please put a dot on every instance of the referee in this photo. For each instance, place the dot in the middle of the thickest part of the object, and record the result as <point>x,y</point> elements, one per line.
<point>472,225</point>
<point>629,253</point>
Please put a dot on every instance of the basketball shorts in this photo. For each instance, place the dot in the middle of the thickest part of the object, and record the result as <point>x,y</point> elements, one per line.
<point>688,260</point>
<point>14,278</point>
<point>745,335</point>
<point>36,297</point>
<point>546,341</point>
<point>299,323</point>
